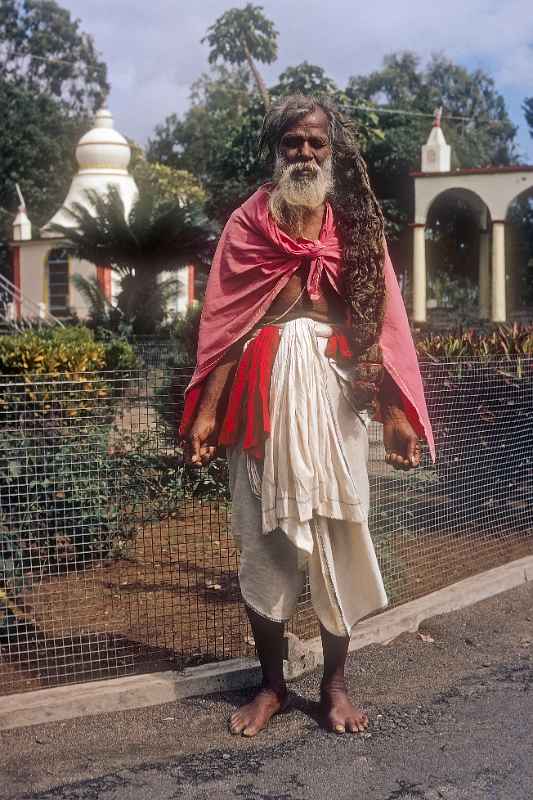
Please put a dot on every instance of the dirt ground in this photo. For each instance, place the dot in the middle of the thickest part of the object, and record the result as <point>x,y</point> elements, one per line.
<point>172,599</point>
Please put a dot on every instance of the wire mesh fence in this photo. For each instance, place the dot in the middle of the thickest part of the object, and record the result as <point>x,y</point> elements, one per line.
<point>116,558</point>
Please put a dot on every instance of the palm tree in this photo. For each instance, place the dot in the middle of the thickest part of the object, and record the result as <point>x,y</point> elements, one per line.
<point>154,237</point>
<point>241,35</point>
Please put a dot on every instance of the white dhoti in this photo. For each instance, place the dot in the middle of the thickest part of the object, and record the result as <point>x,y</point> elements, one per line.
<point>306,506</point>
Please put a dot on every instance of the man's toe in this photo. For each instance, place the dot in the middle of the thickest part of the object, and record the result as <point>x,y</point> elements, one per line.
<point>236,725</point>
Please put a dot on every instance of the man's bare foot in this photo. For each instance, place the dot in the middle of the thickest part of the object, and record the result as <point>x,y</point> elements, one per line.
<point>338,712</point>
<point>251,718</point>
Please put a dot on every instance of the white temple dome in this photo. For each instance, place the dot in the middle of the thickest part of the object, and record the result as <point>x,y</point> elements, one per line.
<point>103,156</point>
<point>103,146</point>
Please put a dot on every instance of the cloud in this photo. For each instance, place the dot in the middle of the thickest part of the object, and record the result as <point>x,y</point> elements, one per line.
<point>154,53</point>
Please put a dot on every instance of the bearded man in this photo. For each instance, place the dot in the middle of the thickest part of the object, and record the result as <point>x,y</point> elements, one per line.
<point>304,320</point>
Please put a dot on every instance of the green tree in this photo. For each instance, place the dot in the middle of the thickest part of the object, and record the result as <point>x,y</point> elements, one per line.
<point>217,139</point>
<point>44,50</point>
<point>241,35</point>
<point>165,182</point>
<point>51,79</point>
<point>486,136</point>
<point>218,100</point>
<point>37,140</point>
<point>156,236</point>
<point>304,78</point>
<point>528,113</point>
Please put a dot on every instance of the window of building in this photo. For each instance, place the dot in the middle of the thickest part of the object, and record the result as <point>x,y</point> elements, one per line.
<point>58,283</point>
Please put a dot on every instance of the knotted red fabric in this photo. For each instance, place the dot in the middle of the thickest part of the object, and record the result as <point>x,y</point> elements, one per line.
<point>254,261</point>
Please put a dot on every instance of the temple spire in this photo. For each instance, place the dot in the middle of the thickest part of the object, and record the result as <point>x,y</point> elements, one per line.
<point>436,153</point>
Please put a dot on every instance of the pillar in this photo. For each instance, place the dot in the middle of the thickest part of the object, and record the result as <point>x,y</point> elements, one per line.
<point>190,285</point>
<point>103,276</point>
<point>498,306</point>
<point>484,274</point>
<point>419,272</point>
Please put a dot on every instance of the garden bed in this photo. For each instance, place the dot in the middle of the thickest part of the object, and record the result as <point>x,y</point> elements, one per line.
<point>172,599</point>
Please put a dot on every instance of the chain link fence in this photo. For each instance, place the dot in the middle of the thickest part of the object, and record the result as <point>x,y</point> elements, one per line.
<point>117,558</point>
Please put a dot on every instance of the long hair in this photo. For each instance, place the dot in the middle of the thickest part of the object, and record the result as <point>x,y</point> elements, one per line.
<point>358,218</point>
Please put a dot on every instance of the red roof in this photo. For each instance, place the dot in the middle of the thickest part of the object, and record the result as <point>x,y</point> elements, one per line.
<point>475,171</point>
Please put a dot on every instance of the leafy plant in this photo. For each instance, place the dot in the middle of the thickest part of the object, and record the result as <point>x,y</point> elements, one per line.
<point>504,341</point>
<point>59,374</point>
<point>56,498</point>
<point>241,35</point>
<point>155,236</point>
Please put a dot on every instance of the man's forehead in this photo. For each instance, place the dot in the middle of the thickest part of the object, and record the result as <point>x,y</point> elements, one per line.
<point>314,122</point>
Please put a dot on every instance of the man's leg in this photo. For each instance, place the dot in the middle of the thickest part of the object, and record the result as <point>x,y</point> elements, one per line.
<point>271,698</point>
<point>339,713</point>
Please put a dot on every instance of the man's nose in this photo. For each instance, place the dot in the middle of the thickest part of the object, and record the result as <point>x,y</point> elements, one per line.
<point>305,152</point>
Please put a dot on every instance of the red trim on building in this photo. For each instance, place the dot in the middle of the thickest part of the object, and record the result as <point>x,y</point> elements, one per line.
<point>473,171</point>
<point>103,276</point>
<point>190,284</point>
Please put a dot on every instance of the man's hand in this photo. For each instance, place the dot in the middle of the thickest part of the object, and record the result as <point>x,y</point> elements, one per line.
<point>402,447</point>
<point>199,443</point>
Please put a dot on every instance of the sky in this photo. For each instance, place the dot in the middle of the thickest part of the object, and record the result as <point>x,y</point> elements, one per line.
<point>153,49</point>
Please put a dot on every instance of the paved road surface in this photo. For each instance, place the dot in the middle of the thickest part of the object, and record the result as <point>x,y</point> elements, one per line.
<point>452,719</point>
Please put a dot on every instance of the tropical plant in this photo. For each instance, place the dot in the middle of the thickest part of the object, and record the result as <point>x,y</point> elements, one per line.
<point>154,237</point>
<point>504,342</point>
<point>241,35</point>
<point>102,313</point>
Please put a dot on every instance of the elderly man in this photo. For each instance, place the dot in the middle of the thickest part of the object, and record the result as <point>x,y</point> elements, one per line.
<point>303,333</point>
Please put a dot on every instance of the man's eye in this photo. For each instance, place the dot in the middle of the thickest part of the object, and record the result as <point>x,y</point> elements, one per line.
<point>292,141</point>
<point>317,144</point>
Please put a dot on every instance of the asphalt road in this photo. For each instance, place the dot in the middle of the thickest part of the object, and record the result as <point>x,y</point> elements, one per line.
<point>451,719</point>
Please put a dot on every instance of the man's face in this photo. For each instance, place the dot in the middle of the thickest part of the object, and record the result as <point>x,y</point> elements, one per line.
<point>307,143</point>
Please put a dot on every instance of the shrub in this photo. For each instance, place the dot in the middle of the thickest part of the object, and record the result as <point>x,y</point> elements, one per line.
<point>57,496</point>
<point>57,403</point>
<point>59,374</point>
<point>184,331</point>
<point>62,352</point>
<point>505,341</point>
<point>479,390</point>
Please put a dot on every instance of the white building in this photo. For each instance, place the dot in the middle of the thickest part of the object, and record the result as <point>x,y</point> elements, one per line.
<point>42,267</point>
<point>489,191</point>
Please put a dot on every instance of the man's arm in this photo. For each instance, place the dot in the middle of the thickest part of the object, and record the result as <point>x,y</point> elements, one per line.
<point>203,432</point>
<point>401,442</point>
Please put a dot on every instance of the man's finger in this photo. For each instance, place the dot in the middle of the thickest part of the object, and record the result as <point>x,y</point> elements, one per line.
<point>399,462</point>
<point>413,451</point>
<point>196,448</point>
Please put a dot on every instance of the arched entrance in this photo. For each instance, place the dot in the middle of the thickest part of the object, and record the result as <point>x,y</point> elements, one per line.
<point>495,188</point>
<point>457,253</point>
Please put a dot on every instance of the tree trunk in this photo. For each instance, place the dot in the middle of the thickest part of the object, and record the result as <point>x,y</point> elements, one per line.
<point>261,85</point>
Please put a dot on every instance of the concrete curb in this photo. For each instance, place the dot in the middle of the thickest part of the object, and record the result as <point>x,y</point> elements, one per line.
<point>119,694</point>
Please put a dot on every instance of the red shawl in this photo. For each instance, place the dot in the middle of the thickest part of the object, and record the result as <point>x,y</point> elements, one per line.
<point>253,262</point>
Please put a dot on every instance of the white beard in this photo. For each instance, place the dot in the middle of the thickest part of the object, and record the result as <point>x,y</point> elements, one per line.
<point>299,188</point>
